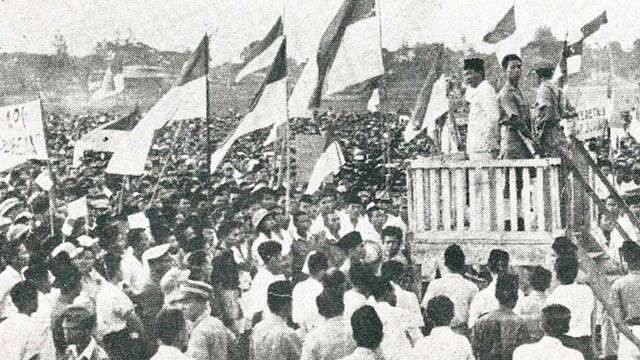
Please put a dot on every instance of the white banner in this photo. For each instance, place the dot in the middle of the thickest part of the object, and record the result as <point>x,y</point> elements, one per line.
<point>21,134</point>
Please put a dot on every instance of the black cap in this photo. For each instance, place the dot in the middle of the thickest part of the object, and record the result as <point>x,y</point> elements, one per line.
<point>349,241</point>
<point>476,64</point>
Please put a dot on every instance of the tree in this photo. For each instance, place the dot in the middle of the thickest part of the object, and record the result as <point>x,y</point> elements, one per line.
<point>544,34</point>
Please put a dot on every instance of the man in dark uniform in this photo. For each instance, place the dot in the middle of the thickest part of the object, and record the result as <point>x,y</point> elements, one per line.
<point>546,124</point>
<point>515,120</point>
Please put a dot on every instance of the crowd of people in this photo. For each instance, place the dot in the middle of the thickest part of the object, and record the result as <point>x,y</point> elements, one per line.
<point>178,264</point>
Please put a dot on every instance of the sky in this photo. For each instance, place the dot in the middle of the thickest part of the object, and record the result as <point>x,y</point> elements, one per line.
<point>30,25</point>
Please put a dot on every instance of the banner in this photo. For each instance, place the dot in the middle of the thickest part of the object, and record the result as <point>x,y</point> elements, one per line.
<point>592,122</point>
<point>308,150</point>
<point>21,134</point>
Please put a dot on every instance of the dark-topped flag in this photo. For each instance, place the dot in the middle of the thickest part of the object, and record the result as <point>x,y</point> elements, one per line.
<point>329,162</point>
<point>186,100</point>
<point>107,138</point>
<point>113,80</point>
<point>570,62</point>
<point>349,50</point>
<point>268,107</point>
<point>594,25</point>
<point>505,28</point>
<point>261,53</point>
<point>432,100</point>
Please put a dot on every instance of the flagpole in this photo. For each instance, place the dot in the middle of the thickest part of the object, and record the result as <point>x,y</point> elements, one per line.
<point>51,192</point>
<point>287,138</point>
<point>208,110</point>
<point>387,174</point>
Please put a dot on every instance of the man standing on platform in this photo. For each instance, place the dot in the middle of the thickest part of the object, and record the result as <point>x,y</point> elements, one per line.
<point>515,120</point>
<point>483,132</point>
<point>546,125</point>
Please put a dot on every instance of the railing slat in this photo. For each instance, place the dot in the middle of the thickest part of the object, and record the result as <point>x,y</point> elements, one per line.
<point>434,192</point>
<point>540,210</point>
<point>461,194</point>
<point>513,200</point>
<point>486,200</point>
<point>555,198</point>
<point>526,199</point>
<point>446,198</point>
<point>426,197</point>
<point>419,214</point>
<point>473,201</point>
<point>500,183</point>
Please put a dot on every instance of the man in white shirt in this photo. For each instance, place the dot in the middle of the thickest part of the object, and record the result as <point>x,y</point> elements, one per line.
<point>393,271</point>
<point>255,300</point>
<point>78,324</point>
<point>360,277</point>
<point>443,343</point>
<point>326,205</point>
<point>579,300</point>
<point>555,323</point>
<point>16,257</point>
<point>21,336</point>
<point>483,134</point>
<point>304,311</point>
<point>455,287</point>
<point>172,335</point>
<point>331,340</point>
<point>485,301</point>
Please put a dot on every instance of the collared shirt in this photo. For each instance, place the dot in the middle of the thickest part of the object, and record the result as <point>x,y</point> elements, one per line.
<point>483,131</point>
<point>512,102</point>
<point>443,344</point>
<point>625,296</point>
<point>485,302</point>
<point>318,227</point>
<point>332,340</point>
<point>112,307</point>
<point>209,339</point>
<point>361,353</point>
<point>272,339</point>
<point>409,301</point>
<point>8,278</point>
<point>458,289</point>
<point>255,300</point>
<point>304,310</point>
<point>398,333</point>
<point>92,352</point>
<point>22,337</point>
<point>547,348</point>
<point>580,301</point>
<point>497,334</point>
<point>169,353</point>
<point>353,300</point>
<point>546,96</point>
<point>346,226</point>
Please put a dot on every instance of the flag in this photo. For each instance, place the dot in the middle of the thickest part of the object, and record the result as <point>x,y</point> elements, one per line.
<point>594,25</point>
<point>505,28</point>
<point>570,62</point>
<point>109,137</point>
<point>113,80</point>
<point>328,163</point>
<point>373,104</point>
<point>186,100</point>
<point>432,100</point>
<point>261,54</point>
<point>269,106</point>
<point>352,12</point>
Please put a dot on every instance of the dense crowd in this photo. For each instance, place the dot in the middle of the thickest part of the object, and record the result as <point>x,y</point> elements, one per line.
<point>177,264</point>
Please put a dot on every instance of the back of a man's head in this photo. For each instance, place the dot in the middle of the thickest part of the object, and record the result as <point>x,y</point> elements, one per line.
<point>23,295</point>
<point>498,261</point>
<point>454,258</point>
<point>392,270</point>
<point>169,324</point>
<point>566,269</point>
<point>360,276</point>
<point>440,310</point>
<point>540,278</point>
<point>367,327</point>
<point>279,296</point>
<point>631,254</point>
<point>555,320</point>
<point>507,290</point>
<point>318,262</point>
<point>330,303</point>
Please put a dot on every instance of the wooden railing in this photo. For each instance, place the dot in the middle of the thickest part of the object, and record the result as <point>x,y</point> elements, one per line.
<point>484,196</point>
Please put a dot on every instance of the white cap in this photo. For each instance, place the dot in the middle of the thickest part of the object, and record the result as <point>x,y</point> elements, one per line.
<point>87,241</point>
<point>67,247</point>
<point>155,252</point>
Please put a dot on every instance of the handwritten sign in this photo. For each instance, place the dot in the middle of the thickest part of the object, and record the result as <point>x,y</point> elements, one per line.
<point>592,122</point>
<point>21,134</point>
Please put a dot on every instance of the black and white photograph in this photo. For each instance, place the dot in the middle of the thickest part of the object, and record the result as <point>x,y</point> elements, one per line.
<point>319,180</point>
